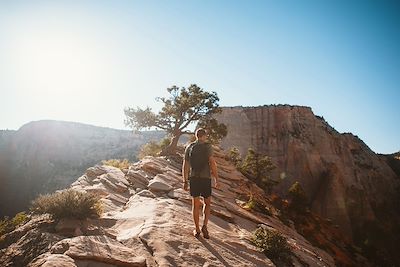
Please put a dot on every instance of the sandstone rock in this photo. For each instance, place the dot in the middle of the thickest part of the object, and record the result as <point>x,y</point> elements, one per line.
<point>100,249</point>
<point>33,243</point>
<point>116,176</point>
<point>156,230</point>
<point>138,178</point>
<point>82,182</point>
<point>95,171</point>
<point>90,263</point>
<point>68,227</point>
<point>146,193</point>
<point>158,185</point>
<point>53,260</point>
<point>179,194</point>
<point>116,187</point>
<point>115,179</point>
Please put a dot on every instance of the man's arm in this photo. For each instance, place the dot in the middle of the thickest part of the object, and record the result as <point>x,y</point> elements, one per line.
<point>185,170</point>
<point>185,173</point>
<point>214,170</point>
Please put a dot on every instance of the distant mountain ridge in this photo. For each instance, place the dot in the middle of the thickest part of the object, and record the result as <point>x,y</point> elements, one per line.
<point>43,156</point>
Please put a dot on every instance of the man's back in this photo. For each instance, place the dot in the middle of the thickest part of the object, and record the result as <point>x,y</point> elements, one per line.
<point>198,153</point>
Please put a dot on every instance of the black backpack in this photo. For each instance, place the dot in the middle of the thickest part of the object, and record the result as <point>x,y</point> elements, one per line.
<point>198,157</point>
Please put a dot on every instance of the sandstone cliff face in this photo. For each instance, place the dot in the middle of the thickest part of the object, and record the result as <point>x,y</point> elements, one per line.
<point>344,180</point>
<point>147,222</point>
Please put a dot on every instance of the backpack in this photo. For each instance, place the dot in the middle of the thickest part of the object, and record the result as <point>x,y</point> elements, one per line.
<point>198,157</point>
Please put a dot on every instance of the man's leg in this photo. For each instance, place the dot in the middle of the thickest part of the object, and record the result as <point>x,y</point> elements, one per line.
<point>206,210</point>
<point>196,212</point>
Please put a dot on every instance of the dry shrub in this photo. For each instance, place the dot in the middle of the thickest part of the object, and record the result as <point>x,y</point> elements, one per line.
<point>117,163</point>
<point>68,204</point>
<point>273,244</point>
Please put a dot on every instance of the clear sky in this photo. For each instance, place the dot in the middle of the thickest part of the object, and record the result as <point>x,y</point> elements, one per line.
<point>86,60</point>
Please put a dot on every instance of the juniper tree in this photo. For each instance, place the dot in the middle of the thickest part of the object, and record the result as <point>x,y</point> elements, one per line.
<point>183,107</point>
<point>258,167</point>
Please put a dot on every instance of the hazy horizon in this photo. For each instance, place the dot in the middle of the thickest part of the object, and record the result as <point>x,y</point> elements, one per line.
<point>85,61</point>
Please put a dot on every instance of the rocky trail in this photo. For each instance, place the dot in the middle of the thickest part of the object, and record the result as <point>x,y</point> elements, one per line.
<point>147,221</point>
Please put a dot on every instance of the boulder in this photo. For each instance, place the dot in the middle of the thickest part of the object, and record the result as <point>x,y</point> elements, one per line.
<point>95,171</point>
<point>101,249</point>
<point>158,185</point>
<point>53,260</point>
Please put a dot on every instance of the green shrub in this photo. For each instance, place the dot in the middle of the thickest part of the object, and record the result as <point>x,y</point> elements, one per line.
<point>19,218</point>
<point>67,204</point>
<point>4,226</point>
<point>153,148</point>
<point>258,167</point>
<point>251,204</point>
<point>273,244</point>
<point>117,163</point>
<point>149,149</point>
<point>298,197</point>
<point>164,142</point>
<point>234,156</point>
<point>255,204</point>
<point>254,166</point>
<point>7,225</point>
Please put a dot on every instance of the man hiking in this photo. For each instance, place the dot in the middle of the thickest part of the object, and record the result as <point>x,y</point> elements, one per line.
<point>198,165</point>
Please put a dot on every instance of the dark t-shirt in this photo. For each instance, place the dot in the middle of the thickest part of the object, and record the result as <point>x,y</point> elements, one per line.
<point>205,173</point>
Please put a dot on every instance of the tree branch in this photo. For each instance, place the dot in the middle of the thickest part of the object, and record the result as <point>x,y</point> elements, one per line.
<point>190,119</point>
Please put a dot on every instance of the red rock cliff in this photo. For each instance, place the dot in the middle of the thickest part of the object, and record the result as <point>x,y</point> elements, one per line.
<point>344,180</point>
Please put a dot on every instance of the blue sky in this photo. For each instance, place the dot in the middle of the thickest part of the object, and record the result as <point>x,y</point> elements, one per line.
<point>86,60</point>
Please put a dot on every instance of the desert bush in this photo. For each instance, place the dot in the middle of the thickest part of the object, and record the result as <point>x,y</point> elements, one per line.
<point>234,156</point>
<point>273,244</point>
<point>121,164</point>
<point>7,225</point>
<point>258,167</point>
<point>299,201</point>
<point>251,204</point>
<point>153,148</point>
<point>255,166</point>
<point>255,205</point>
<point>67,204</point>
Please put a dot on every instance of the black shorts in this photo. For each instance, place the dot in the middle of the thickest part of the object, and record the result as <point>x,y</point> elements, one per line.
<point>200,187</point>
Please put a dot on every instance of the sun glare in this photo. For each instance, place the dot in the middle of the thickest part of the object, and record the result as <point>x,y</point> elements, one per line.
<point>60,63</point>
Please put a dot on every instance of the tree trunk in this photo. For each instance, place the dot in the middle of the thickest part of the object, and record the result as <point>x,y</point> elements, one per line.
<point>171,148</point>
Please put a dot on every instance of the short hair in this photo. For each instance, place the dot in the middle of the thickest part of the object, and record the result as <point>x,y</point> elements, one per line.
<point>200,132</point>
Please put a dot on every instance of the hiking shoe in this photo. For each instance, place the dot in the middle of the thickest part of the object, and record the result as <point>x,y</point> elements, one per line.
<point>205,232</point>
<point>196,234</point>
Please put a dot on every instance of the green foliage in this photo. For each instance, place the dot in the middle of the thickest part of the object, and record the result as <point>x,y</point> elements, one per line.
<point>216,131</point>
<point>258,166</point>
<point>8,225</point>
<point>251,204</point>
<point>19,218</point>
<point>235,157</point>
<point>298,197</point>
<point>164,142</point>
<point>117,163</point>
<point>150,149</point>
<point>254,204</point>
<point>272,244</point>
<point>67,204</point>
<point>183,107</point>
<point>153,148</point>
